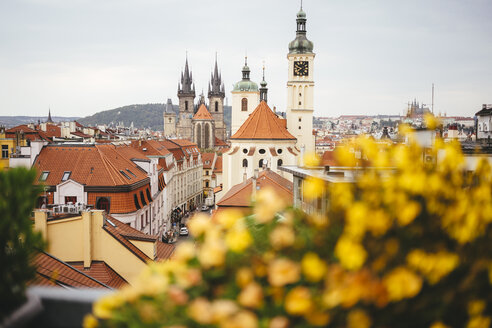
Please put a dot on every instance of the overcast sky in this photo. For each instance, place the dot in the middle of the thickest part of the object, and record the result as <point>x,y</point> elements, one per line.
<point>372,57</point>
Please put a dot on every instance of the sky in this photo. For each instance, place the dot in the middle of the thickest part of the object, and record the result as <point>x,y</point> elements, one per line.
<point>79,57</point>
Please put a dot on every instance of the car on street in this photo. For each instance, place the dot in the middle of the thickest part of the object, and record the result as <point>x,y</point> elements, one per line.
<point>204,208</point>
<point>183,231</point>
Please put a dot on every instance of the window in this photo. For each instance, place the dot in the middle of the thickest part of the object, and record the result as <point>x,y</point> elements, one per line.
<point>260,163</point>
<point>148,195</point>
<point>485,127</point>
<point>244,105</point>
<point>245,151</point>
<point>170,120</point>
<point>142,198</point>
<point>66,175</point>
<point>300,94</point>
<point>186,105</point>
<point>262,151</point>
<point>125,175</point>
<point>299,103</point>
<point>245,162</point>
<point>5,151</point>
<point>300,119</point>
<point>146,217</point>
<point>279,150</point>
<point>70,199</point>
<point>206,172</point>
<point>132,172</point>
<point>141,221</point>
<point>279,163</point>
<point>216,106</point>
<point>299,127</point>
<point>206,184</point>
<point>44,176</point>
<point>135,200</point>
<point>102,203</point>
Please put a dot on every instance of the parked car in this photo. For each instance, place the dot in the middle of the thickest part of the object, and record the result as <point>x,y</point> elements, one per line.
<point>183,231</point>
<point>204,208</point>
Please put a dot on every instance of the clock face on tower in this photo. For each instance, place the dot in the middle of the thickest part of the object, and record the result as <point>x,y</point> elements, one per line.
<point>301,68</point>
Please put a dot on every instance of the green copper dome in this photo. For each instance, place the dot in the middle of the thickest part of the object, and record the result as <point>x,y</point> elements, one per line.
<point>245,84</point>
<point>301,45</point>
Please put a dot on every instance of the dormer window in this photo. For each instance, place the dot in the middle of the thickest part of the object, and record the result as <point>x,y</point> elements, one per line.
<point>66,175</point>
<point>125,175</point>
<point>44,176</point>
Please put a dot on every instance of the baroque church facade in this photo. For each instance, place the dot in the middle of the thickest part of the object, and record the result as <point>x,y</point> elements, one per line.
<point>191,122</point>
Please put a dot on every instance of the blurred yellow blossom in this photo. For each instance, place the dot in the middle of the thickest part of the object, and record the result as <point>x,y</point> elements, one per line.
<point>311,159</point>
<point>476,307</point>
<point>184,251</point>
<point>433,266</point>
<point>402,283</point>
<point>282,236</point>
<point>200,310</point>
<point>251,296</point>
<point>408,212</point>
<point>344,156</point>
<point>199,224</point>
<point>313,267</point>
<point>358,319</point>
<point>244,276</point>
<point>279,322</point>
<point>352,255</point>
<point>104,306</point>
<point>479,322</point>
<point>242,319</point>
<point>298,301</point>
<point>438,324</point>
<point>228,218</point>
<point>312,188</point>
<point>223,309</point>
<point>238,238</point>
<point>317,318</point>
<point>431,122</point>
<point>90,321</point>
<point>268,203</point>
<point>283,271</point>
<point>212,253</point>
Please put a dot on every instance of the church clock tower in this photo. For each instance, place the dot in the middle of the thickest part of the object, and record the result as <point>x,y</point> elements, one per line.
<point>300,87</point>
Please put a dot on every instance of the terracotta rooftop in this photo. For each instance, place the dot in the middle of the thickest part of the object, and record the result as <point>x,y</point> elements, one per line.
<point>102,272</point>
<point>51,271</point>
<point>263,124</point>
<point>328,158</point>
<point>90,165</point>
<point>29,134</point>
<point>53,131</point>
<point>208,160</point>
<point>240,194</point>
<point>220,143</point>
<point>218,164</point>
<point>202,114</point>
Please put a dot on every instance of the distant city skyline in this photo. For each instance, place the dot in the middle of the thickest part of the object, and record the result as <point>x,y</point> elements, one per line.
<point>80,57</point>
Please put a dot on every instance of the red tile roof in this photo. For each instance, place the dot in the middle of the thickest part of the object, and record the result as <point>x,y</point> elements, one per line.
<point>91,165</point>
<point>218,164</point>
<point>264,124</point>
<point>208,159</point>
<point>53,131</point>
<point>102,272</point>
<point>51,271</point>
<point>202,114</point>
<point>240,194</point>
<point>220,143</point>
<point>328,159</point>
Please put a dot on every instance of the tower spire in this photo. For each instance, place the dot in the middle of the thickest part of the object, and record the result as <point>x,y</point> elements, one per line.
<point>263,88</point>
<point>49,120</point>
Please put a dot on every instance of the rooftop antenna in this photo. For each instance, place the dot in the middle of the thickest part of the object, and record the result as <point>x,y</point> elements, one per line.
<point>432,98</point>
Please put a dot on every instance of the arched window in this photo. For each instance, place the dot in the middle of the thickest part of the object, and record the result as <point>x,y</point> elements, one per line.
<point>186,105</point>
<point>216,106</point>
<point>245,162</point>
<point>260,163</point>
<point>262,151</point>
<point>198,135</point>
<point>207,136</point>
<point>244,105</point>
<point>485,127</point>
<point>102,203</point>
<point>279,163</point>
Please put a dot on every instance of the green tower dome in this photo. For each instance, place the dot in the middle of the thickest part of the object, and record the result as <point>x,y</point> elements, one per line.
<point>301,45</point>
<point>245,84</point>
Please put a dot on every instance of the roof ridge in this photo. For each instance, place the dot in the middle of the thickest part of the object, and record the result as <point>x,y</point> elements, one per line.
<point>107,163</point>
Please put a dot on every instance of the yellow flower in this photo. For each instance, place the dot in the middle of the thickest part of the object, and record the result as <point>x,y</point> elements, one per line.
<point>431,121</point>
<point>318,220</point>
<point>282,236</point>
<point>282,272</point>
<point>222,310</point>
<point>438,324</point>
<point>199,224</point>
<point>104,307</point>
<point>238,238</point>
<point>312,159</point>
<point>312,188</point>
<point>358,319</point>
<point>268,203</point>
<point>433,266</point>
<point>408,212</point>
<point>352,255</point>
<point>313,267</point>
<point>279,322</point>
<point>357,217</point>
<point>251,296</point>
<point>184,252</point>
<point>242,319</point>
<point>244,276</point>
<point>402,283</point>
<point>212,253</point>
<point>90,321</point>
<point>317,318</point>
<point>177,295</point>
<point>228,218</point>
<point>298,301</point>
<point>479,322</point>
<point>378,222</point>
<point>200,310</point>
<point>344,156</point>
<point>476,307</point>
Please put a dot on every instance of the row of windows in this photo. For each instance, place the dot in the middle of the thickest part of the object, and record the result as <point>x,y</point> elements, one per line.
<point>262,151</point>
<point>216,106</point>
<point>260,163</point>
